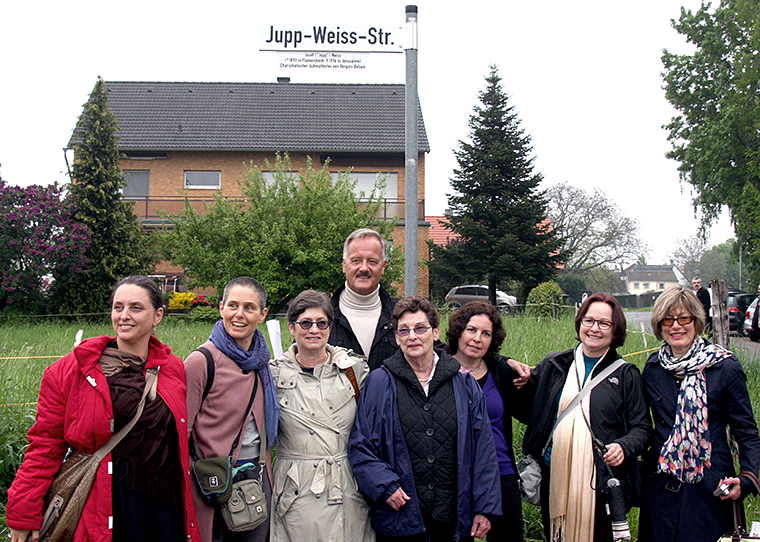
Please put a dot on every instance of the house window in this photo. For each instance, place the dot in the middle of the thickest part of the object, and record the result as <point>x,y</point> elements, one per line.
<point>268,176</point>
<point>662,286</point>
<point>208,180</point>
<point>646,286</point>
<point>635,285</point>
<point>137,183</point>
<point>365,182</point>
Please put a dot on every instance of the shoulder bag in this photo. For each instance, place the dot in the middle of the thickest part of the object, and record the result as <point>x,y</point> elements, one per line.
<point>740,531</point>
<point>246,508</point>
<point>529,467</point>
<point>67,495</point>
<point>240,499</point>
<point>214,474</point>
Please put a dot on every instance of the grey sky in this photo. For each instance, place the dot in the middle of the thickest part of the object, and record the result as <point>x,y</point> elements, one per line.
<point>584,77</point>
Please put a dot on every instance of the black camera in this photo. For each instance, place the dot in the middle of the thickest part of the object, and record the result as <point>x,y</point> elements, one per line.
<point>616,510</point>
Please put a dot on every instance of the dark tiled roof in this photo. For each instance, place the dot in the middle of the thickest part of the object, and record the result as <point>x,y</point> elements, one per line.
<point>655,273</point>
<point>260,116</point>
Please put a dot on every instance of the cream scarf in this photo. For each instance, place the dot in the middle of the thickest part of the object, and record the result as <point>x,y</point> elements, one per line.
<point>572,500</point>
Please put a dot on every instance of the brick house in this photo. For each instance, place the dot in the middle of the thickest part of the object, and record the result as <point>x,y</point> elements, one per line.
<point>189,140</point>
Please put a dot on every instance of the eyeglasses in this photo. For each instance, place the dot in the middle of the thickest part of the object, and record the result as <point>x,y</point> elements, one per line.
<point>306,324</point>
<point>418,330</point>
<point>683,320</point>
<point>604,325</point>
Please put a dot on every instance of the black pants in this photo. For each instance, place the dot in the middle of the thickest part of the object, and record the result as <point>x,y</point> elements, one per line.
<point>436,531</point>
<point>510,525</point>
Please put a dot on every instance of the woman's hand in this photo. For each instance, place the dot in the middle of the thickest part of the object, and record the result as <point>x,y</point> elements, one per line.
<point>614,456</point>
<point>522,370</point>
<point>398,499</point>
<point>22,535</point>
<point>480,526</point>
<point>736,489</point>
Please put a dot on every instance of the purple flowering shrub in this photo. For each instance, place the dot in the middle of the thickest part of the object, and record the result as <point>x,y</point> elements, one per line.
<point>39,239</point>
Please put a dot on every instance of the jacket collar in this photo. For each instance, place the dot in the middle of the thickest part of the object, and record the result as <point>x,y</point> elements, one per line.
<point>400,368</point>
<point>339,356</point>
<point>88,352</point>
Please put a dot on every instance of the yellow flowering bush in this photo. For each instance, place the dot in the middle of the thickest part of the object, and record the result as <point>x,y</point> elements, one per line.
<point>179,300</point>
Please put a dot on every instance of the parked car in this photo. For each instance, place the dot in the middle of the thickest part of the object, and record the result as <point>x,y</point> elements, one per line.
<point>737,307</point>
<point>460,295</point>
<point>754,335</point>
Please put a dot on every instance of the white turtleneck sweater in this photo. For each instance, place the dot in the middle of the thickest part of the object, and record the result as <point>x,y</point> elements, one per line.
<point>362,312</point>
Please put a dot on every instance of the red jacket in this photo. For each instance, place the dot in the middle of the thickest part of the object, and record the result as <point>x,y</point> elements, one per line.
<point>75,409</point>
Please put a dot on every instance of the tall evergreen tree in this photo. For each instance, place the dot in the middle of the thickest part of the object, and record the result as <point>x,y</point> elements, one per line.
<point>497,208</point>
<point>117,246</point>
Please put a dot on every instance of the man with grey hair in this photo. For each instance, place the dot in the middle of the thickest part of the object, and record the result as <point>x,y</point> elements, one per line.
<point>362,307</point>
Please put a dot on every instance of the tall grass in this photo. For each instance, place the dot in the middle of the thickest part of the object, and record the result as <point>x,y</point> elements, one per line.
<point>527,340</point>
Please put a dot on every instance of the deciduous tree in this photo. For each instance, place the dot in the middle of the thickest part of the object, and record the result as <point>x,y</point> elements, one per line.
<point>718,262</point>
<point>592,230</point>
<point>688,255</point>
<point>288,233</point>
<point>715,136</point>
<point>117,246</point>
<point>497,208</point>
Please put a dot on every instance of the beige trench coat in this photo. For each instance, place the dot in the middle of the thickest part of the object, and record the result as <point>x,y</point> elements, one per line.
<point>315,494</point>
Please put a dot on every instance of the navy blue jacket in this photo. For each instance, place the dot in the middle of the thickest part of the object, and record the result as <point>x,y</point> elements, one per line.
<point>381,464</point>
<point>692,512</point>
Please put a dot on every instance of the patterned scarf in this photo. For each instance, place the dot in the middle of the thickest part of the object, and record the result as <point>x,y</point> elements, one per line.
<point>687,451</point>
<point>256,358</point>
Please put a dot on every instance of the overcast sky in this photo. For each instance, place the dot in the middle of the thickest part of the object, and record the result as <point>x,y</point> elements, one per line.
<point>584,77</point>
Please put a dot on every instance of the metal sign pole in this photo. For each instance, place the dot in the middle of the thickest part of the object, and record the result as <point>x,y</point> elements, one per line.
<point>411,251</point>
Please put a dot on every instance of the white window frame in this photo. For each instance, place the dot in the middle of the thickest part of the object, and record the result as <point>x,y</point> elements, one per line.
<point>365,182</point>
<point>204,187</point>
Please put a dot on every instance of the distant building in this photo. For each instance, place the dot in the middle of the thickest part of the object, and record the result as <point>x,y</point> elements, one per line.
<point>439,233</point>
<point>639,279</point>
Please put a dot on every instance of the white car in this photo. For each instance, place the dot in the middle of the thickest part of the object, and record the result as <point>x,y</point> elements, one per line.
<point>747,326</point>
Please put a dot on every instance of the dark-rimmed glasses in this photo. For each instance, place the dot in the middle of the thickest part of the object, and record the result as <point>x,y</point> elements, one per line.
<point>604,325</point>
<point>306,324</point>
<point>683,320</point>
<point>418,330</point>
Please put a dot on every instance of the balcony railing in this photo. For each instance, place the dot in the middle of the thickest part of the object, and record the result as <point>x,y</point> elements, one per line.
<point>154,208</point>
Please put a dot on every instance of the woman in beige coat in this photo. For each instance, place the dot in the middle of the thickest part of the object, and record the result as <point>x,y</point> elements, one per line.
<point>315,495</point>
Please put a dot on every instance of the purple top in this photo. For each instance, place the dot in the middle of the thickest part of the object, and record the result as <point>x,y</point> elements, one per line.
<point>495,408</point>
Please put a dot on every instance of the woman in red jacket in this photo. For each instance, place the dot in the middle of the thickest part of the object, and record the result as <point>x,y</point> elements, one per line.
<point>142,489</point>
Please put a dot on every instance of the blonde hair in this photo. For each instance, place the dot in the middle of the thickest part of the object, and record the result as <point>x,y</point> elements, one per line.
<point>670,300</point>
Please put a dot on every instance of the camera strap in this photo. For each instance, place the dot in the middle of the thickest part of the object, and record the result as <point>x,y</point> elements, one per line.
<point>585,390</point>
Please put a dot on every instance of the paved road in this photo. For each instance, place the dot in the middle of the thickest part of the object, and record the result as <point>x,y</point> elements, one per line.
<point>750,350</point>
<point>635,319</point>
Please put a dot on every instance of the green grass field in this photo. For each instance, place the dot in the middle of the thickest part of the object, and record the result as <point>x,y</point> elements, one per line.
<point>27,348</point>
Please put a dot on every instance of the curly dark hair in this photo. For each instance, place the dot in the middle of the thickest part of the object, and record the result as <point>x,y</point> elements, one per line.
<point>459,320</point>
